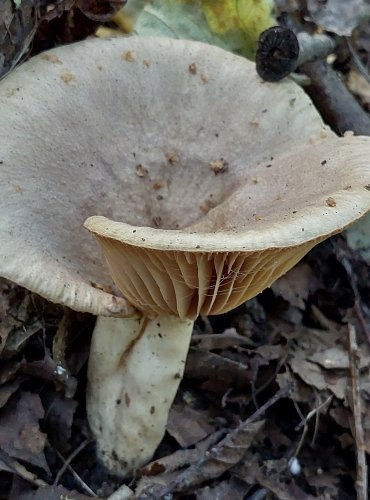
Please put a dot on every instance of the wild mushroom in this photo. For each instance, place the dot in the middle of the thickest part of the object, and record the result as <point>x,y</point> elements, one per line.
<point>217,197</point>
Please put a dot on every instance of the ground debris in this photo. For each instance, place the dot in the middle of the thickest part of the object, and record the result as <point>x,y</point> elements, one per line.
<point>20,436</point>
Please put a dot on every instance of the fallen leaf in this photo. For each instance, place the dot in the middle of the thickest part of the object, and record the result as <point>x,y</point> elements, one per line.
<point>20,434</point>
<point>336,358</point>
<point>338,17</point>
<point>188,425</point>
<point>207,365</point>
<point>296,285</point>
<point>358,237</point>
<point>59,413</point>
<point>52,493</point>
<point>233,488</point>
<point>234,26</point>
<point>7,390</point>
<point>217,341</point>
<point>313,375</point>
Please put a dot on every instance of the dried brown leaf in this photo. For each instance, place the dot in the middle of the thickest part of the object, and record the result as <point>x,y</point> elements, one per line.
<point>203,365</point>
<point>218,341</point>
<point>19,336</point>
<point>301,393</point>
<point>14,309</point>
<point>20,434</point>
<point>339,17</point>
<point>160,473</point>
<point>233,488</point>
<point>8,371</point>
<point>7,390</point>
<point>51,493</point>
<point>188,425</point>
<point>59,413</point>
<point>315,376</point>
<point>296,285</point>
<point>215,462</point>
<point>48,369</point>
<point>273,475</point>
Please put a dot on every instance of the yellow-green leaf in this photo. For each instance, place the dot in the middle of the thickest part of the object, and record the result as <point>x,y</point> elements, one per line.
<point>251,17</point>
<point>234,25</point>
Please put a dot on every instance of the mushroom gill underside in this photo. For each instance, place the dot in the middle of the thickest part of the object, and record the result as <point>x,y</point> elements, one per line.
<point>241,246</point>
<point>187,284</point>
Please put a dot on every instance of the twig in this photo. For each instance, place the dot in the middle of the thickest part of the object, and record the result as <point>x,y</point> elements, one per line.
<point>69,460</point>
<point>358,430</point>
<point>80,481</point>
<point>224,455</point>
<point>315,412</point>
<point>19,469</point>
<point>336,104</point>
<point>314,47</point>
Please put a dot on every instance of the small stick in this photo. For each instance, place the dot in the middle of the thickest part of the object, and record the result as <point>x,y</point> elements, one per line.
<point>334,101</point>
<point>358,430</point>
<point>69,460</point>
<point>313,413</point>
<point>80,481</point>
<point>213,465</point>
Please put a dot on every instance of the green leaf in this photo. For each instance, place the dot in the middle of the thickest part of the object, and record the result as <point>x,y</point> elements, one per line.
<point>234,25</point>
<point>244,18</point>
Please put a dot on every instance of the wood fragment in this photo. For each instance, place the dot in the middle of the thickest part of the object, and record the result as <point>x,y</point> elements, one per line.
<point>357,428</point>
<point>334,101</point>
<point>69,460</point>
<point>78,479</point>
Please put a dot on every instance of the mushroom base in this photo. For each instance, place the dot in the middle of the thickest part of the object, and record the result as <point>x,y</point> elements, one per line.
<point>135,367</point>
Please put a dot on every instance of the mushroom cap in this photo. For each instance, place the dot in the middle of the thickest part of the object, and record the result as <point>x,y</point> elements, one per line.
<point>136,129</point>
<point>241,246</point>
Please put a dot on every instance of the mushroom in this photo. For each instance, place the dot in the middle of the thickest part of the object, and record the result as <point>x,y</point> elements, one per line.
<point>199,196</point>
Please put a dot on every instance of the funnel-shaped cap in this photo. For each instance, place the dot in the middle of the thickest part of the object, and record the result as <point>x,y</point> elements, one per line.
<point>241,246</point>
<point>156,133</point>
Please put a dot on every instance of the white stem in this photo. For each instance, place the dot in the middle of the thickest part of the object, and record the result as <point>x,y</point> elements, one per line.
<point>135,367</point>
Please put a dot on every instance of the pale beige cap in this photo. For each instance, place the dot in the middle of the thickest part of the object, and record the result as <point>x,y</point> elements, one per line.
<point>151,132</point>
<point>256,233</point>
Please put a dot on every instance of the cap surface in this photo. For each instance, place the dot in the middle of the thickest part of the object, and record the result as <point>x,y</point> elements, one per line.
<point>152,132</point>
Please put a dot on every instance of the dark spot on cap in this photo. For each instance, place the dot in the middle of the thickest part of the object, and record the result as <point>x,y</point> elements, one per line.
<point>193,69</point>
<point>152,410</point>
